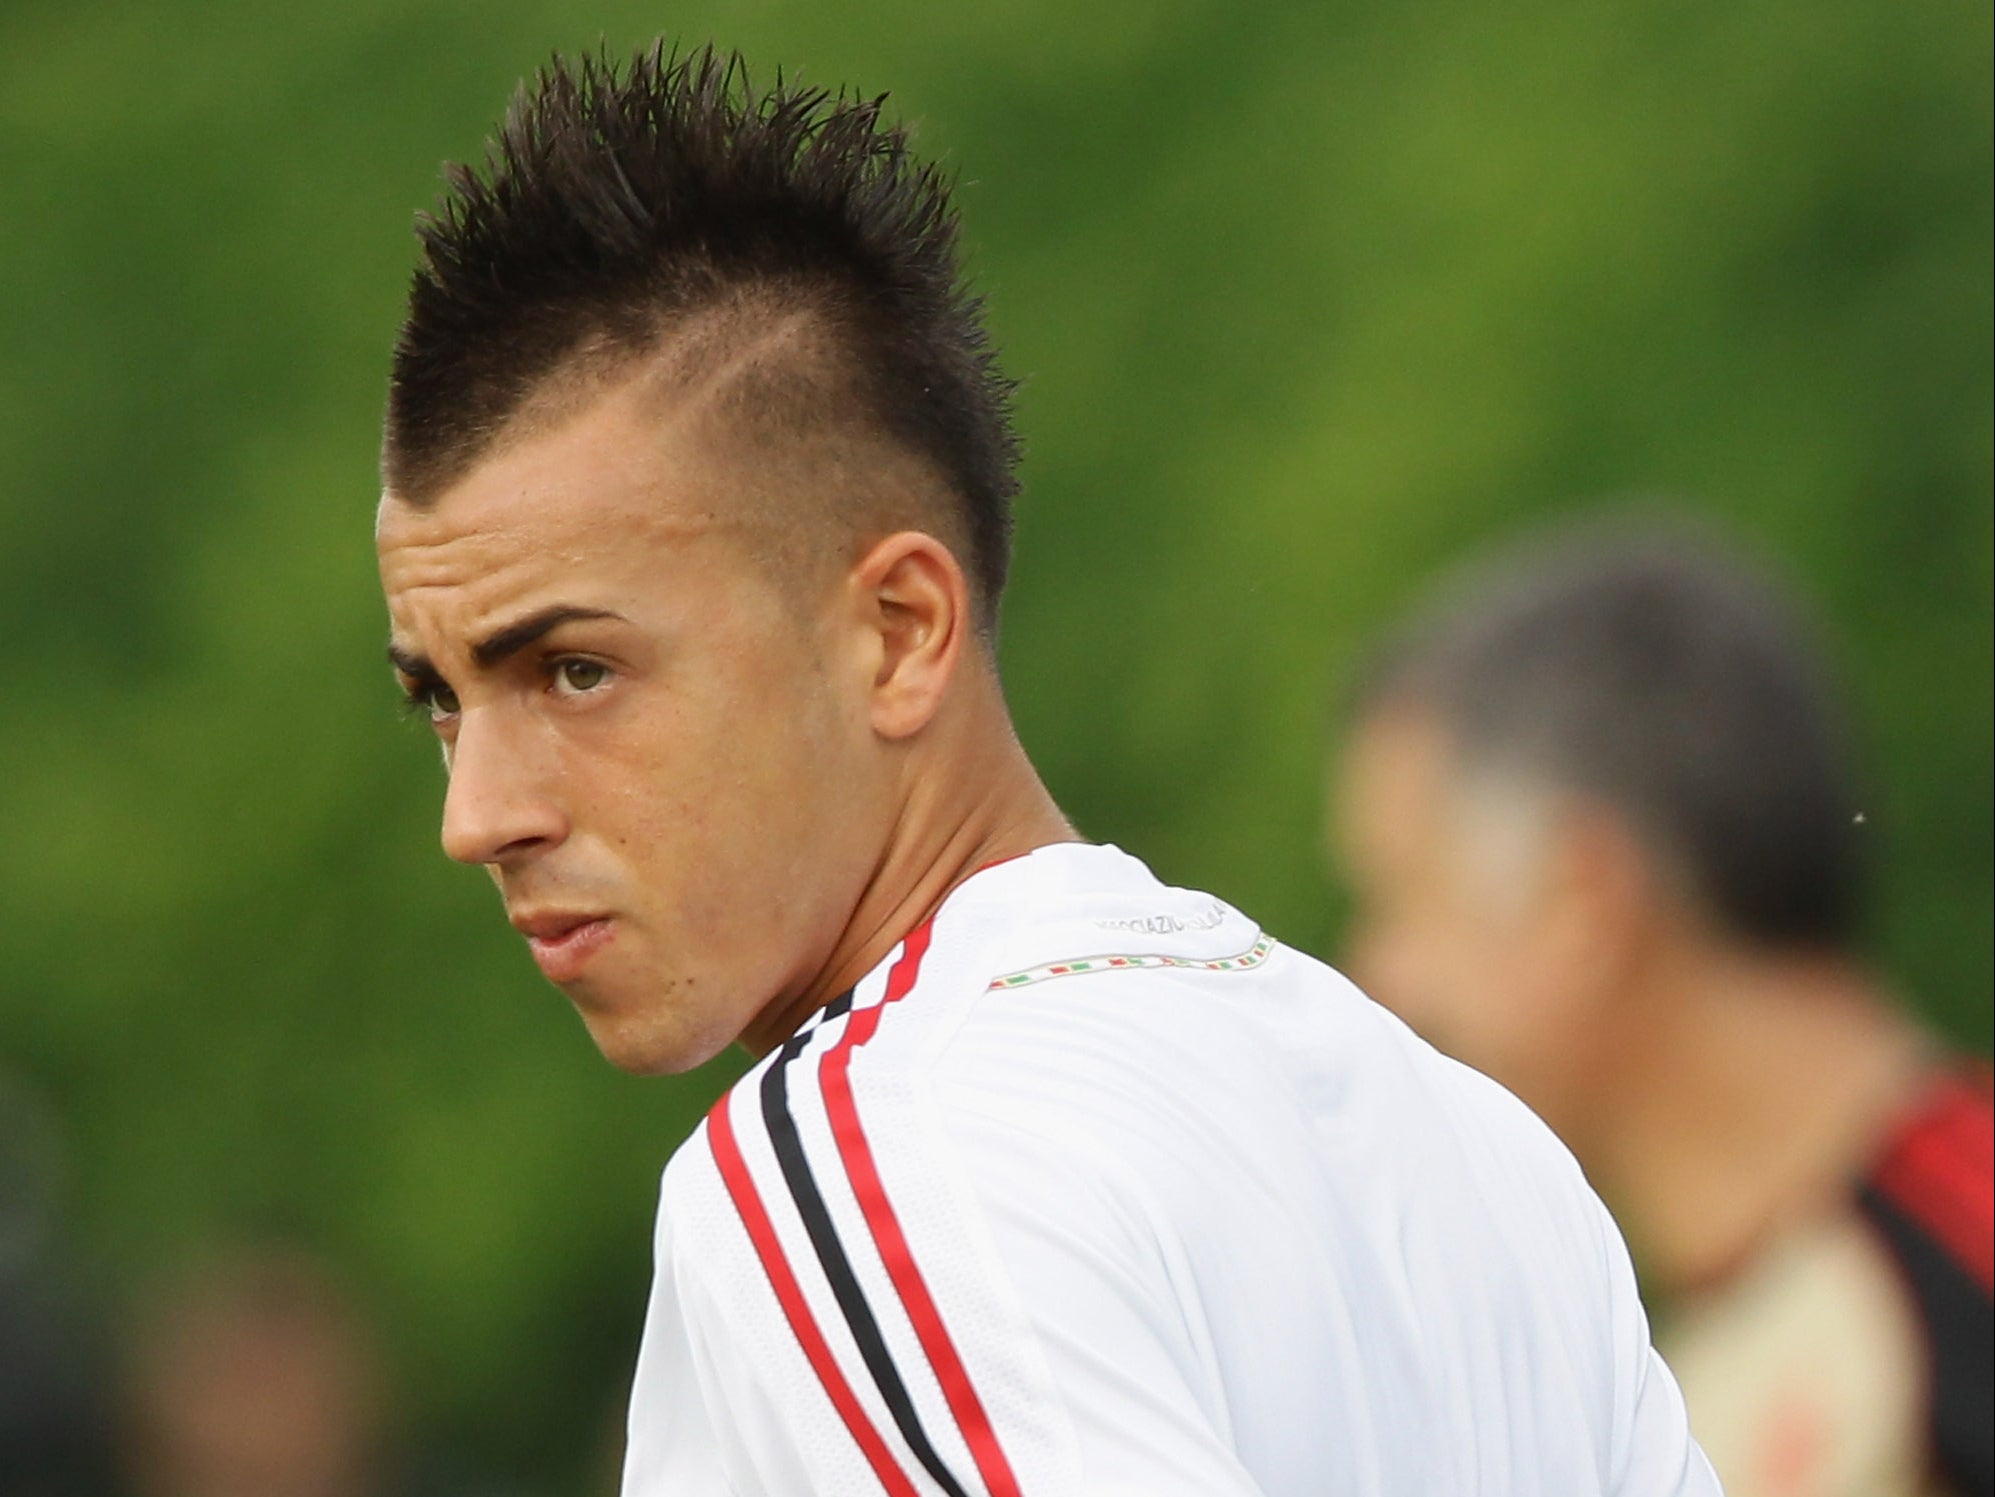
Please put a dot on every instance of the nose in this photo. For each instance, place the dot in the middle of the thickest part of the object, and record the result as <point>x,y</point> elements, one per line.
<point>497,809</point>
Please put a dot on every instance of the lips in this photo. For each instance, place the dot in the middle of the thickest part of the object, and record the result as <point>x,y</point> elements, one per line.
<point>563,942</point>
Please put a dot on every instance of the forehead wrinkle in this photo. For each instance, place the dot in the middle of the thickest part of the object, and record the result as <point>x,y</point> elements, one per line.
<point>519,505</point>
<point>449,575</point>
<point>468,562</point>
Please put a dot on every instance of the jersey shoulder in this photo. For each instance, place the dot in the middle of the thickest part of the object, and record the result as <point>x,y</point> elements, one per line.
<point>1081,1123</point>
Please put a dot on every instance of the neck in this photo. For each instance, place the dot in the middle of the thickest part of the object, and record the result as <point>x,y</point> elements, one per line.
<point>969,798</point>
<point>1753,1096</point>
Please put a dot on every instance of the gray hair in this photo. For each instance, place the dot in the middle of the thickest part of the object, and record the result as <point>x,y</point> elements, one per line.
<point>1644,665</point>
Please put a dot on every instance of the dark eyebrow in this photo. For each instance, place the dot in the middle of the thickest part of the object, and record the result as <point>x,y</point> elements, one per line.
<point>503,644</point>
<point>510,640</point>
<point>416,667</point>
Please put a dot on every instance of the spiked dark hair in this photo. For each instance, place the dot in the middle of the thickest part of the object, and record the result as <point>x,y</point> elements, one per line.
<point>1643,663</point>
<point>614,201</point>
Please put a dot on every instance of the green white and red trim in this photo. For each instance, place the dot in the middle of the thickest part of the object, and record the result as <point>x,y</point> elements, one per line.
<point>1252,957</point>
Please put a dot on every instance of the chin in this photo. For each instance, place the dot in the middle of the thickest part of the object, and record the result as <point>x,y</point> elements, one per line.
<point>642,1048</point>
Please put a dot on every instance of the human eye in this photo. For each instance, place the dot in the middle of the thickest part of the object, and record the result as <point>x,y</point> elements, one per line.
<point>432,699</point>
<point>576,676</point>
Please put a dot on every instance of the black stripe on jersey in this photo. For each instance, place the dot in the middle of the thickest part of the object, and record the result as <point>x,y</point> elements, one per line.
<point>831,1256</point>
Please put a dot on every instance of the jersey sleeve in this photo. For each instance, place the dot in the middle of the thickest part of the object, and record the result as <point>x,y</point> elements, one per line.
<point>859,1292</point>
<point>1661,1459</point>
<point>1655,1454</point>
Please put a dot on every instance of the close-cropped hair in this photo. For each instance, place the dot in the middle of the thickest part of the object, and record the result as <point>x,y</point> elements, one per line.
<point>1644,665</point>
<point>617,203</point>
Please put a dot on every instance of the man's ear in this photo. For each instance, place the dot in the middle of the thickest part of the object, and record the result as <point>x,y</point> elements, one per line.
<point>913,606</point>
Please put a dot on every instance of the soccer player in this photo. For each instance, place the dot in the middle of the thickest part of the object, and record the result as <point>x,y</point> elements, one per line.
<point>1051,1180</point>
<point>1607,847</point>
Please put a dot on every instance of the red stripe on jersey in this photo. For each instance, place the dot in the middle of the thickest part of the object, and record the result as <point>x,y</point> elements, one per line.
<point>761,1232</point>
<point>833,1072</point>
<point>1937,1171</point>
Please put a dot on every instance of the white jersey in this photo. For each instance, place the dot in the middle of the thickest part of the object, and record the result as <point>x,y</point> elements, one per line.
<point>1094,1190</point>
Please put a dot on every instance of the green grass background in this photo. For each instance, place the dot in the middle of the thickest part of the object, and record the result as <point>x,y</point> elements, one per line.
<point>1309,299</point>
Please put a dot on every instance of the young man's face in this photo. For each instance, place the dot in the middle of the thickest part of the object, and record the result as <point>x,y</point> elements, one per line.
<point>656,737</point>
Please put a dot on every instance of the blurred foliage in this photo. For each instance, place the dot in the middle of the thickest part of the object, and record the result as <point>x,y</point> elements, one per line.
<point>1309,299</point>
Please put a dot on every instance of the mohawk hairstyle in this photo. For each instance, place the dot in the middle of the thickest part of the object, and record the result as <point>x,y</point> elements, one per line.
<point>614,202</point>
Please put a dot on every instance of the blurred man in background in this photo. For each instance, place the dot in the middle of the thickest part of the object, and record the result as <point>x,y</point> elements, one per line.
<point>1605,844</point>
